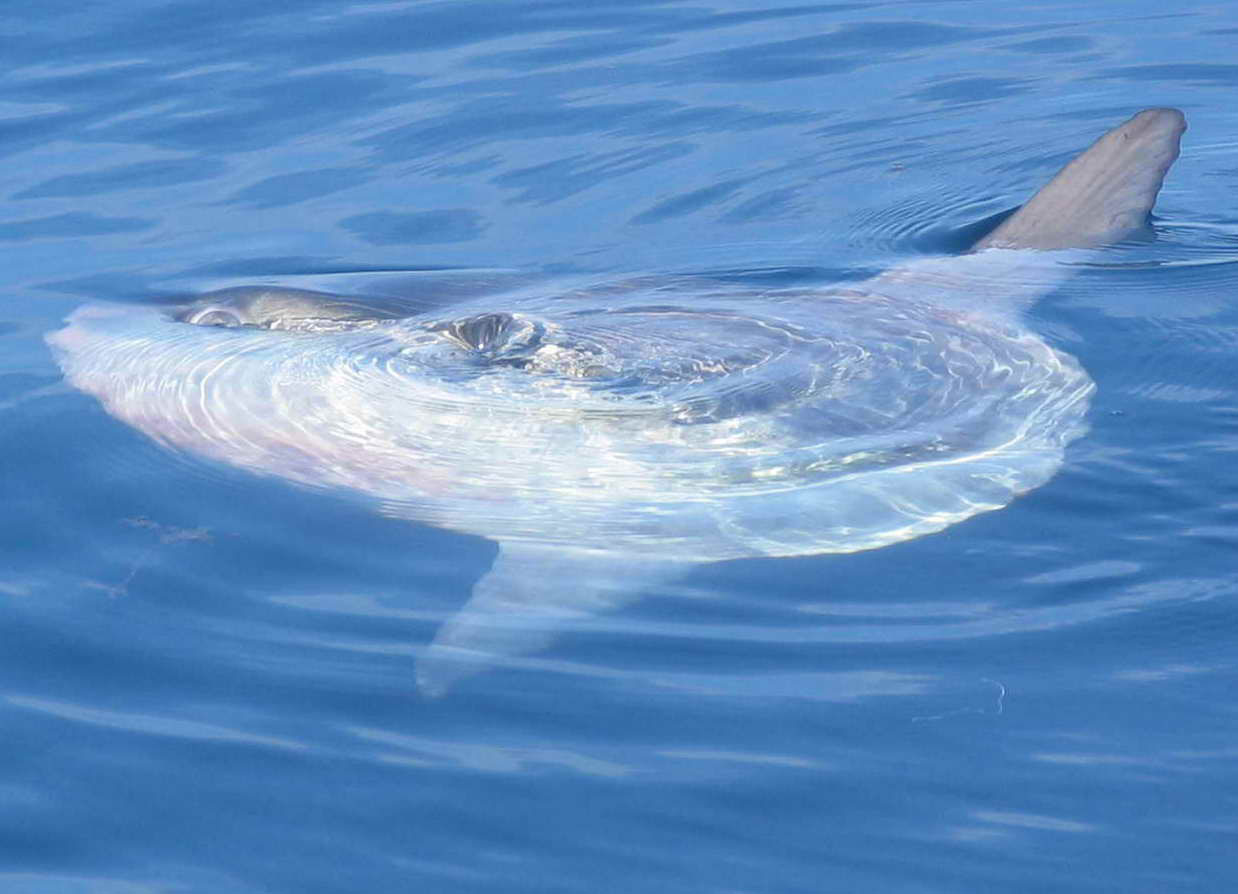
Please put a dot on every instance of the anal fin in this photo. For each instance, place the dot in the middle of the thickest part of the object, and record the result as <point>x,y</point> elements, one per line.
<point>527,596</point>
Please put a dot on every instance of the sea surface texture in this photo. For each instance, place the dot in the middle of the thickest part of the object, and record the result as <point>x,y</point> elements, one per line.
<point>208,679</point>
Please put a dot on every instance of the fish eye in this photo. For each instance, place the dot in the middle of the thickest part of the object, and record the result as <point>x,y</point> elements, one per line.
<point>214,316</point>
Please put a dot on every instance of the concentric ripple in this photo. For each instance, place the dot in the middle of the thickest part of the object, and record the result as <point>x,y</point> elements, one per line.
<point>667,418</point>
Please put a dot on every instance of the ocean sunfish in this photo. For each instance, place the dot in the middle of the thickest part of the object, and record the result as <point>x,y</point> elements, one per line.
<point>611,436</point>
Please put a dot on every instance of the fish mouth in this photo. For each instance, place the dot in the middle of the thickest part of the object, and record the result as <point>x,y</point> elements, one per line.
<point>85,323</point>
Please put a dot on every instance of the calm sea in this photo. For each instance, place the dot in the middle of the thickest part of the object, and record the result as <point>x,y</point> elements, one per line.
<point>206,679</point>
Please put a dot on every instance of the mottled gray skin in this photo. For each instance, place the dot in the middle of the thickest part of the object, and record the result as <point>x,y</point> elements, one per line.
<point>1104,195</point>
<point>273,307</point>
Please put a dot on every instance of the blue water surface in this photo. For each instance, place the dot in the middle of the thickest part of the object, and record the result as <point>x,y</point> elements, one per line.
<point>206,683</point>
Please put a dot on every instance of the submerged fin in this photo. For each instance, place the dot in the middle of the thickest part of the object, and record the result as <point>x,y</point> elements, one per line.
<point>1104,195</point>
<point>529,593</point>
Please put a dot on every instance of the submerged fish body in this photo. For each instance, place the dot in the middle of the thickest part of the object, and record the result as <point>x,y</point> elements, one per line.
<point>675,419</point>
<point>609,437</point>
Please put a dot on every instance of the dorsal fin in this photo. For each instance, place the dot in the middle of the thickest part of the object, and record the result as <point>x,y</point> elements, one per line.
<point>1104,195</point>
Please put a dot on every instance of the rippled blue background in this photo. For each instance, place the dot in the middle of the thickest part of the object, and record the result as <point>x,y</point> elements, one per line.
<point>206,680</point>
